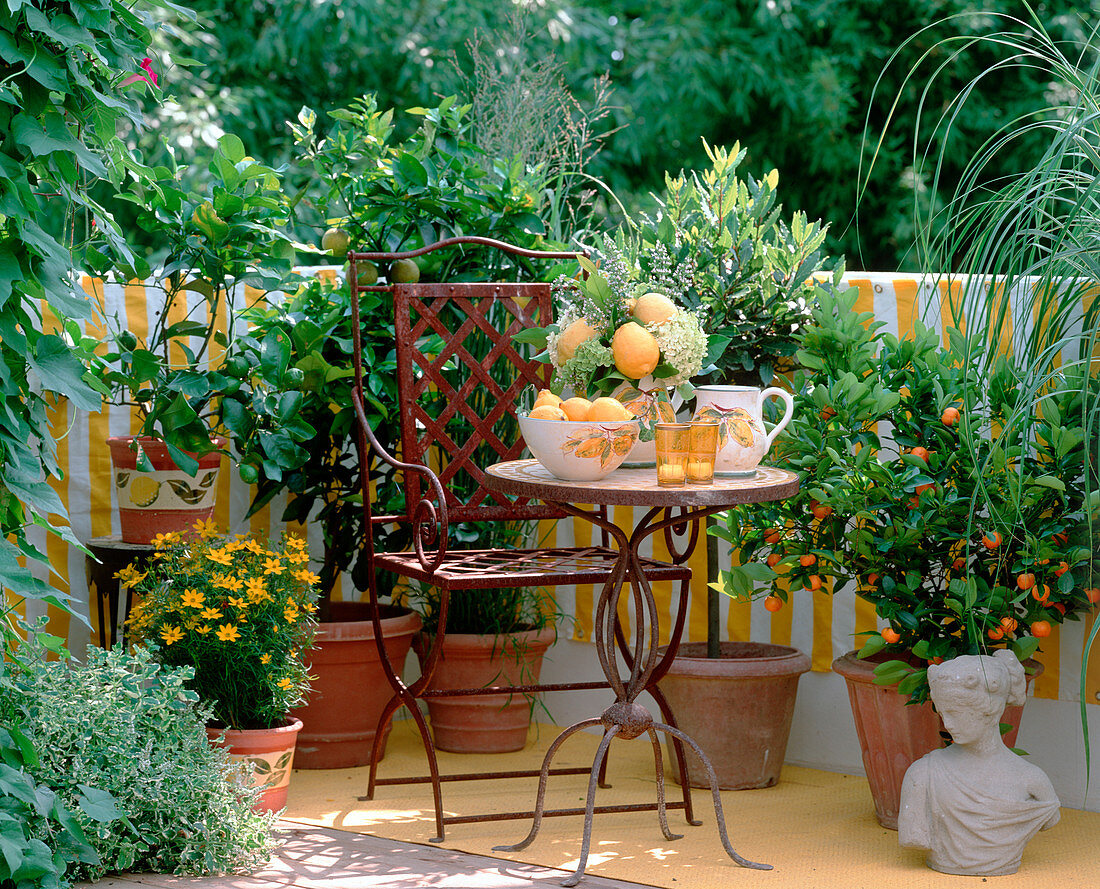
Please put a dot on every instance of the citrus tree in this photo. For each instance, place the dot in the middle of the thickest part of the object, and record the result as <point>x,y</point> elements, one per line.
<point>962,543</point>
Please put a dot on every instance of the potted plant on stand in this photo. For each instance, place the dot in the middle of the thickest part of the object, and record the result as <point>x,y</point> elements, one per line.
<point>214,243</point>
<point>241,614</point>
<point>963,546</point>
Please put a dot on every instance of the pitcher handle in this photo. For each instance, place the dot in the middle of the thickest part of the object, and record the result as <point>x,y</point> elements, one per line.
<point>788,400</point>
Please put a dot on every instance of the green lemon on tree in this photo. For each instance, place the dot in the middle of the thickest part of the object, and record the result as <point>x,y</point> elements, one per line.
<point>367,274</point>
<point>248,473</point>
<point>336,242</point>
<point>404,271</point>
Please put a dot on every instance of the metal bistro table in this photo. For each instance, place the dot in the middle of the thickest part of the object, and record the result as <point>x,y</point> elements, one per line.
<point>670,508</point>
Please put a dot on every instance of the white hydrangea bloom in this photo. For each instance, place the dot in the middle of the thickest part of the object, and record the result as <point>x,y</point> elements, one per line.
<point>683,345</point>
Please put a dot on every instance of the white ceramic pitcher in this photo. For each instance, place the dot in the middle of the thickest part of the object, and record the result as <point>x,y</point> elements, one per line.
<point>742,440</point>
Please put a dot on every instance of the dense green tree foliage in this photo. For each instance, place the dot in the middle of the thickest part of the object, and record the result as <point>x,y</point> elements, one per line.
<point>806,85</point>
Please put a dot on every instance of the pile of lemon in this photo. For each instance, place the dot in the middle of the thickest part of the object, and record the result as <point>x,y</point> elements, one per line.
<point>549,406</point>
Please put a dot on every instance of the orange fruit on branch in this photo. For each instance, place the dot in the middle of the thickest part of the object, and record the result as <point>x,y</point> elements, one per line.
<point>773,603</point>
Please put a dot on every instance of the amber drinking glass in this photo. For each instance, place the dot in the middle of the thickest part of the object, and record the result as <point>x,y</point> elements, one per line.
<point>702,449</point>
<point>672,441</point>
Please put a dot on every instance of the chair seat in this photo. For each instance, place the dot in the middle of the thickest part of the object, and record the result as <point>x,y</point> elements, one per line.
<point>474,569</point>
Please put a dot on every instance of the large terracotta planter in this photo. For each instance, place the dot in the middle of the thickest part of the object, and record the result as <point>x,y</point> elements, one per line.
<point>350,689</point>
<point>166,499</point>
<point>484,723</point>
<point>893,734</point>
<point>738,707</point>
<point>271,752</point>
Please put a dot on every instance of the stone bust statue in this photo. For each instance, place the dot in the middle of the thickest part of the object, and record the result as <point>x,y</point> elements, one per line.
<point>975,804</point>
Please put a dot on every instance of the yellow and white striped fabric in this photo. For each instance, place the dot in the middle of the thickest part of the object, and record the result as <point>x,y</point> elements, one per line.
<point>824,625</point>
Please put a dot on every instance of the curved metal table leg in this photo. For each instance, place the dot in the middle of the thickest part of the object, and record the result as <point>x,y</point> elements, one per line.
<point>590,804</point>
<point>544,776</point>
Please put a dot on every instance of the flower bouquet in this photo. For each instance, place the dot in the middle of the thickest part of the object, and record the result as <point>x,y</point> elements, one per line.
<point>623,334</point>
<point>239,612</point>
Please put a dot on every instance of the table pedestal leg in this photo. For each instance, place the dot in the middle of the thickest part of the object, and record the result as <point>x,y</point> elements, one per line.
<point>626,721</point>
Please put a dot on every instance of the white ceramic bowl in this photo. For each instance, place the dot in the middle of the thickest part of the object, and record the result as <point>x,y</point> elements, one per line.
<point>579,451</point>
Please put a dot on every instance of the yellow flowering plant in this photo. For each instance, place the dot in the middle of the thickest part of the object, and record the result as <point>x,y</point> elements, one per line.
<point>238,611</point>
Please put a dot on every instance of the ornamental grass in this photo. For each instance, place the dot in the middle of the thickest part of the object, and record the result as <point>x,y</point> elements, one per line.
<point>240,612</point>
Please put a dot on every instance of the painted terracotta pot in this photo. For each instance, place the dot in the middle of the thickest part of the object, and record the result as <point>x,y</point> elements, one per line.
<point>484,723</point>
<point>166,499</point>
<point>350,689</point>
<point>893,734</point>
<point>738,707</point>
<point>271,752</point>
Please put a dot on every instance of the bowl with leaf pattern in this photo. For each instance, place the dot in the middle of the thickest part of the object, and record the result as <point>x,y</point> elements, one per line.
<point>579,451</point>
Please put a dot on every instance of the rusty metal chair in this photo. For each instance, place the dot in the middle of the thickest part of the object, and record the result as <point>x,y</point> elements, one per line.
<point>437,375</point>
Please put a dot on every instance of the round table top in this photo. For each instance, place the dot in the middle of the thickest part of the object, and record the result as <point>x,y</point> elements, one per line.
<point>638,487</point>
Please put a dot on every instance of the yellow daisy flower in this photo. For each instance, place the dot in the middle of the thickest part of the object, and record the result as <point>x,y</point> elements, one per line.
<point>238,603</point>
<point>299,558</point>
<point>291,616</point>
<point>274,566</point>
<point>228,633</point>
<point>192,599</point>
<point>130,576</point>
<point>203,630</point>
<point>286,683</point>
<point>207,530</point>
<point>265,658</point>
<point>295,542</point>
<point>210,614</point>
<point>219,556</point>
<point>170,634</point>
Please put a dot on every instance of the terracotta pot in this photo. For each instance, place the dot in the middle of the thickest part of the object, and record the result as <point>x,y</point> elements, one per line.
<point>271,751</point>
<point>737,707</point>
<point>350,689</point>
<point>894,734</point>
<point>484,723</point>
<point>166,499</point>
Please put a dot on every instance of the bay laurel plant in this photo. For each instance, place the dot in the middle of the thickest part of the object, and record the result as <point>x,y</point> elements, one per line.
<point>753,268</point>
<point>120,743</point>
<point>963,543</point>
<point>238,613</point>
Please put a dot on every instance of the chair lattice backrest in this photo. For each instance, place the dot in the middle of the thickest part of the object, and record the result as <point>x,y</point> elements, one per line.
<point>460,376</point>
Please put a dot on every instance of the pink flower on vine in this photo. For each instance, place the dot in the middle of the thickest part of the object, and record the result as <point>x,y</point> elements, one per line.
<point>149,76</point>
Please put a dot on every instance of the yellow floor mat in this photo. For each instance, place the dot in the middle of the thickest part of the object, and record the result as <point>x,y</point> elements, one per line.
<point>817,828</point>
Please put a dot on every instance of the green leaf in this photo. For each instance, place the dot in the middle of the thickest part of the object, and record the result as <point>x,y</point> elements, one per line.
<point>892,672</point>
<point>60,371</point>
<point>98,804</point>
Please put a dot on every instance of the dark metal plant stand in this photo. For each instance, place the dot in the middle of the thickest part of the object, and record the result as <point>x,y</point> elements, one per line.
<point>626,718</point>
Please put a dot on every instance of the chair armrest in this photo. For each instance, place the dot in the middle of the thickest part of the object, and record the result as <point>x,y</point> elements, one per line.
<point>429,524</point>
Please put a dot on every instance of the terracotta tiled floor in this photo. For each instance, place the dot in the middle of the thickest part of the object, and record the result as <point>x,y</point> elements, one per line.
<point>320,858</point>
